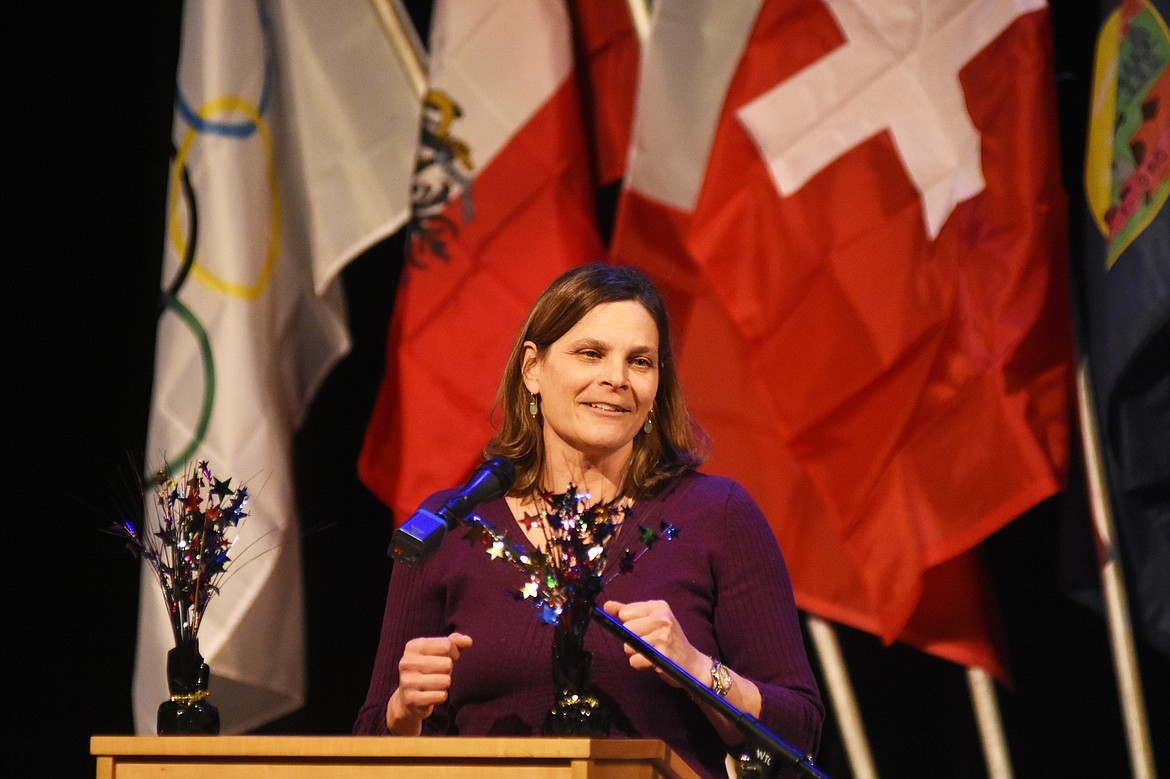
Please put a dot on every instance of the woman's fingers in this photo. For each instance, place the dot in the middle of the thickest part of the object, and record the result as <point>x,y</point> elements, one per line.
<point>424,672</point>
<point>654,622</point>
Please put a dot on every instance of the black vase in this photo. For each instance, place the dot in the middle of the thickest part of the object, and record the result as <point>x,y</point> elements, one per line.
<point>188,712</point>
<point>576,710</point>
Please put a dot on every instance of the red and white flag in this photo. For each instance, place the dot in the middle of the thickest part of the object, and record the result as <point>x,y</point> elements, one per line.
<point>856,212</point>
<point>503,203</point>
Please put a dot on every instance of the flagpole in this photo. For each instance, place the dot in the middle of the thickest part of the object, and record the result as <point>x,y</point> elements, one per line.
<point>1125,665</point>
<point>844,701</point>
<point>987,717</point>
<point>640,16</point>
<point>404,38</point>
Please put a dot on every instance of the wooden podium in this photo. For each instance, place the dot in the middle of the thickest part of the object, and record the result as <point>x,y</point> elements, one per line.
<point>371,757</point>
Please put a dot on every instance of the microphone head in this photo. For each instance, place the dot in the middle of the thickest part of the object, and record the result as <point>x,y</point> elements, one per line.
<point>505,471</point>
<point>420,536</point>
<point>491,480</point>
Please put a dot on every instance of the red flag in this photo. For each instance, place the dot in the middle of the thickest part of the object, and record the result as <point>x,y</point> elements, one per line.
<point>857,214</point>
<point>609,50</point>
<point>503,203</point>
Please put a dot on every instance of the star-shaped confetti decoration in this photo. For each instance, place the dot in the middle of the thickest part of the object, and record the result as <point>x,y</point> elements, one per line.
<point>197,520</point>
<point>574,566</point>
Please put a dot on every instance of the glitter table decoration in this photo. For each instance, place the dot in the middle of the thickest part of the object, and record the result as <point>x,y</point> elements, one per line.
<point>562,584</point>
<point>197,523</point>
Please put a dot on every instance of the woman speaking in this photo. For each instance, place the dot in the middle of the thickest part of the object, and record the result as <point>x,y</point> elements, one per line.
<point>591,403</point>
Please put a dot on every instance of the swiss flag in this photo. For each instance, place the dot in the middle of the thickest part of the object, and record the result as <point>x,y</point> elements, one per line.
<point>856,213</point>
<point>503,203</point>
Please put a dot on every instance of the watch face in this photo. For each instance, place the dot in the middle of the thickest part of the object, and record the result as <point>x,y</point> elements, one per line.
<point>721,679</point>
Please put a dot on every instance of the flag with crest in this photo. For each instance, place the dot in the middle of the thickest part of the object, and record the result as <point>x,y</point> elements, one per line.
<point>503,203</point>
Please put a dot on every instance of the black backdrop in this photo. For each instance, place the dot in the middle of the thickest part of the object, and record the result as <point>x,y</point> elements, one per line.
<point>90,89</point>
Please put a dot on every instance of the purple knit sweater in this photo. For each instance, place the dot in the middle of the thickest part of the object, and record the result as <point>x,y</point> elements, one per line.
<point>723,577</point>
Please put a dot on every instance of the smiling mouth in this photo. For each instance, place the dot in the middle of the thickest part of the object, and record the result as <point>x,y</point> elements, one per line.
<point>606,407</point>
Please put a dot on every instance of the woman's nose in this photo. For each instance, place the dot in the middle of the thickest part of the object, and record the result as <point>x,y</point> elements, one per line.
<point>614,373</point>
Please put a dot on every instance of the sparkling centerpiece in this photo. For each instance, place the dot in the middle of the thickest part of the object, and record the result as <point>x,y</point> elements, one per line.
<point>562,583</point>
<point>197,518</point>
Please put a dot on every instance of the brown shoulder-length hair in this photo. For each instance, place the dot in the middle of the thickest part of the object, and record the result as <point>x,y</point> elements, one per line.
<point>675,443</point>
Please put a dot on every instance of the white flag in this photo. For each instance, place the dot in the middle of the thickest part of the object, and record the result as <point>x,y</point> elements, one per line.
<point>296,126</point>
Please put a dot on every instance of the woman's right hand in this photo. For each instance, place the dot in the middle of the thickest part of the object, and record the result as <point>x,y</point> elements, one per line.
<point>424,677</point>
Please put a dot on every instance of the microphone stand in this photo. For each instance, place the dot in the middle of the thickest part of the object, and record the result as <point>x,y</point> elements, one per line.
<point>765,754</point>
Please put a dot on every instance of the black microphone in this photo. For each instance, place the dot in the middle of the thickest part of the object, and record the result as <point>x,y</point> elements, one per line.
<point>420,536</point>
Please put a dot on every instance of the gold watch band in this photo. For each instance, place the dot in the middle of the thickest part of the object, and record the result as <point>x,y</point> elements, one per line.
<point>720,678</point>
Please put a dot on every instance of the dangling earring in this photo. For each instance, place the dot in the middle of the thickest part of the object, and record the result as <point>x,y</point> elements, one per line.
<point>533,408</point>
<point>648,425</point>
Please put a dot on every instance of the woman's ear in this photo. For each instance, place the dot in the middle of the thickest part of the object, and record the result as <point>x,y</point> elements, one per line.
<point>529,364</point>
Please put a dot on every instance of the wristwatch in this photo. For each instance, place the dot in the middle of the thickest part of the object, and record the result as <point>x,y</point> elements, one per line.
<point>720,678</point>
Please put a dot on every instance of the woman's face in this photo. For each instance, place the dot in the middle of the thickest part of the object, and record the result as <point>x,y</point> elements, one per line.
<point>596,383</point>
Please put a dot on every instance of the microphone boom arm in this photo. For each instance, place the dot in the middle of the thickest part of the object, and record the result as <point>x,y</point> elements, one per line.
<point>766,747</point>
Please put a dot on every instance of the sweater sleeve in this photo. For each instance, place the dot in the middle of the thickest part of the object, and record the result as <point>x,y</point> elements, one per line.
<point>414,607</point>
<point>757,625</point>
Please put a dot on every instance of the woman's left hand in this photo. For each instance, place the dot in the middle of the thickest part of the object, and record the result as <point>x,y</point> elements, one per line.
<point>654,622</point>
